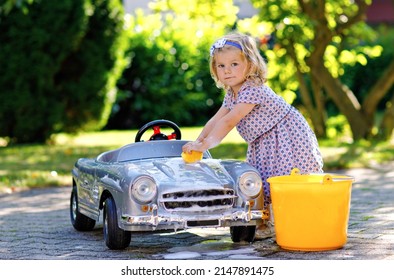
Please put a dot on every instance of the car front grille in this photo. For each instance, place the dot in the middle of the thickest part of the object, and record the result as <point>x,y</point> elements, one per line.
<point>199,200</point>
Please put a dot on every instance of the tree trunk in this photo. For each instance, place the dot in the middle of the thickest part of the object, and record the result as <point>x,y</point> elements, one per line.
<point>320,105</point>
<point>387,124</point>
<point>378,91</point>
<point>316,112</point>
<point>343,99</point>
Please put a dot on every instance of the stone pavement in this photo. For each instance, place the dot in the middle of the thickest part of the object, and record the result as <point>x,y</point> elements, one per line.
<point>35,225</point>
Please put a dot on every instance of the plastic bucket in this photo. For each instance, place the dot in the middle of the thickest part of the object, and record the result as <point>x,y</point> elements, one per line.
<point>311,212</point>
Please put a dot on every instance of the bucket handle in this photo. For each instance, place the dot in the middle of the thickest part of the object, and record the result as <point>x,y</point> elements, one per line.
<point>295,171</point>
<point>327,179</point>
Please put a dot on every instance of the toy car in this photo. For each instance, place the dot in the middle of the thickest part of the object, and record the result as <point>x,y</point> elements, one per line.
<point>147,186</point>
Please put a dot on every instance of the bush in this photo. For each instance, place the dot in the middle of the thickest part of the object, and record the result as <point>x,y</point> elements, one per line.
<point>60,61</point>
<point>360,78</point>
<point>169,72</point>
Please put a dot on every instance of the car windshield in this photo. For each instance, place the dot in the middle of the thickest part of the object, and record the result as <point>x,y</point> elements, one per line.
<point>146,150</point>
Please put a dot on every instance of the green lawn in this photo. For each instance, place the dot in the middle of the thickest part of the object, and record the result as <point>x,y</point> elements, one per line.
<point>25,166</point>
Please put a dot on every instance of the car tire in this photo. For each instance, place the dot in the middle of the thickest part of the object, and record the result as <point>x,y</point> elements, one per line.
<point>242,233</point>
<point>79,221</point>
<point>115,237</point>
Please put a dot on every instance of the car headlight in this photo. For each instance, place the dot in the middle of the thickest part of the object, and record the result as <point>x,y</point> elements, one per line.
<point>144,189</point>
<point>250,184</point>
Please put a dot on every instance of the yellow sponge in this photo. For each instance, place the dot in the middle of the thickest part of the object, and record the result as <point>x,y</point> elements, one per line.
<point>194,156</point>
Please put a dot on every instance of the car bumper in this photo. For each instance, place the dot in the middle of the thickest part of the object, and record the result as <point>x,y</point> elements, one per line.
<point>155,221</point>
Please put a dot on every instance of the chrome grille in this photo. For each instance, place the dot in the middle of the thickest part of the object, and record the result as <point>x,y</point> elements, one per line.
<point>199,200</point>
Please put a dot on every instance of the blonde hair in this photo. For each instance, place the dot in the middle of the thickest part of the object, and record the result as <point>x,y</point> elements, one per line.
<point>258,68</point>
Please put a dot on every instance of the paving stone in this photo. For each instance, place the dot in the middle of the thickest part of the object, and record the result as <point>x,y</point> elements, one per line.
<point>35,225</point>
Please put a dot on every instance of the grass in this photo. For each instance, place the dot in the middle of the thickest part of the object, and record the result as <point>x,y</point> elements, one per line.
<point>26,166</point>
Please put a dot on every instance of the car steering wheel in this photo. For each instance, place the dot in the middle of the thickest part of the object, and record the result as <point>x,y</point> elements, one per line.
<point>157,135</point>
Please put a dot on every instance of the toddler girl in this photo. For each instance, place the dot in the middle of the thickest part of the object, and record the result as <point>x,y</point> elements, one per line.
<point>278,136</point>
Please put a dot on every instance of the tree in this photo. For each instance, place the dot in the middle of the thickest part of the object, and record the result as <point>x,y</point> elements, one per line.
<point>7,5</point>
<point>60,62</point>
<point>319,38</point>
<point>169,72</point>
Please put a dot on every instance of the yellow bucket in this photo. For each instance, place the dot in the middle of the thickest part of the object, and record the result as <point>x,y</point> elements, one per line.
<point>311,212</point>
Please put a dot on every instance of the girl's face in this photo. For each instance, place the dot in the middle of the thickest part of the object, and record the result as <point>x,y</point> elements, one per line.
<point>231,68</point>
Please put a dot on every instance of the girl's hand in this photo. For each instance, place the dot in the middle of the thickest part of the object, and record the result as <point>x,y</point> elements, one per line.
<point>192,146</point>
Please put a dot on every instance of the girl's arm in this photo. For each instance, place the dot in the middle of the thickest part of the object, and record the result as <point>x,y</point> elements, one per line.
<point>211,123</point>
<point>218,127</point>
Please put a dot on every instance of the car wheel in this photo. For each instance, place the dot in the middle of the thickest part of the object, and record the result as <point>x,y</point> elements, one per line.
<point>242,233</point>
<point>79,221</point>
<point>115,237</point>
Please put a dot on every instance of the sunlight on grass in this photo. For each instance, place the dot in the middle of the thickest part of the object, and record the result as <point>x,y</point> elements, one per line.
<point>50,165</point>
<point>25,166</point>
<point>120,138</point>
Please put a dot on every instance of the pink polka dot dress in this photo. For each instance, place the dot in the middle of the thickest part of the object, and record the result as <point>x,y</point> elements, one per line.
<point>278,136</point>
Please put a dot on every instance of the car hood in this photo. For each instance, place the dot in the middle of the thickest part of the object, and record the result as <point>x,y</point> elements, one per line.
<point>175,172</point>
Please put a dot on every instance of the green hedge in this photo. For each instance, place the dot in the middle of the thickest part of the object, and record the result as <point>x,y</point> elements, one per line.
<point>59,64</point>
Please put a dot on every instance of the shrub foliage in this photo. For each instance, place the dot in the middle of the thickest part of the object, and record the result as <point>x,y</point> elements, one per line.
<point>59,64</point>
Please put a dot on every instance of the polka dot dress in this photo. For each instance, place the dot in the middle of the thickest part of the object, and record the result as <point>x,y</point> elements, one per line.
<point>278,136</point>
